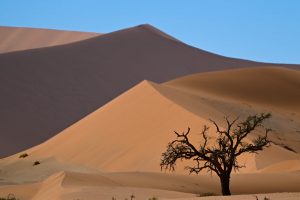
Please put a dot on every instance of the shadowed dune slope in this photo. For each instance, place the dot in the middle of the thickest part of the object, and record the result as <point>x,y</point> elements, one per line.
<point>17,38</point>
<point>46,90</point>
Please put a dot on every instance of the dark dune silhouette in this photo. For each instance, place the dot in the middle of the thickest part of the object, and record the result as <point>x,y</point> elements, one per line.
<point>46,90</point>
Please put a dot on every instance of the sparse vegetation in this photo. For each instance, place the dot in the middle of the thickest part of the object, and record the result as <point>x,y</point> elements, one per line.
<point>36,163</point>
<point>206,194</point>
<point>265,198</point>
<point>23,155</point>
<point>9,197</point>
<point>153,198</point>
<point>132,196</point>
<point>219,157</point>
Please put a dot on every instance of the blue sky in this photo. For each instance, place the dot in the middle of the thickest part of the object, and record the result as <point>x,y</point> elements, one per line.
<point>263,30</point>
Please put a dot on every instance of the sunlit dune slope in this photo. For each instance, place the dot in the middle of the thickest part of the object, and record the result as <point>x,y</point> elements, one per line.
<point>127,134</point>
<point>277,88</point>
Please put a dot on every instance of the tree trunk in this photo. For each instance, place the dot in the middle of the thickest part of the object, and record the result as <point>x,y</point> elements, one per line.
<point>225,185</point>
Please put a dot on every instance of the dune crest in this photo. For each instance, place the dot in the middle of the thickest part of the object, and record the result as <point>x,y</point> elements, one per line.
<point>18,39</point>
<point>277,88</point>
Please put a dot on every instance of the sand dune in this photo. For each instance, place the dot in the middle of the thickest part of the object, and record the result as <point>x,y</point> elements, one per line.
<point>67,185</point>
<point>277,88</point>
<point>154,111</point>
<point>43,91</point>
<point>118,129</point>
<point>17,38</point>
<point>116,150</point>
<point>70,185</point>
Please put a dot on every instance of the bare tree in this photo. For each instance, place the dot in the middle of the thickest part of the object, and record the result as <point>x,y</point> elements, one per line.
<point>220,157</point>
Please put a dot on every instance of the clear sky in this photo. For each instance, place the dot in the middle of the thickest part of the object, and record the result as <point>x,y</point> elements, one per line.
<point>262,30</point>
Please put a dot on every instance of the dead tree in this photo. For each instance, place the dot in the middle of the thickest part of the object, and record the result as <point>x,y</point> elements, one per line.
<point>221,156</point>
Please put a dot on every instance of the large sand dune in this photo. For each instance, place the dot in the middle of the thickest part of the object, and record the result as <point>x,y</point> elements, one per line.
<point>154,111</point>
<point>46,90</point>
<point>116,150</point>
<point>17,38</point>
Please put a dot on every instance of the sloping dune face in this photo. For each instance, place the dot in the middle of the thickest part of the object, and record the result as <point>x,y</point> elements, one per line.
<point>243,92</point>
<point>276,88</point>
<point>46,90</point>
<point>127,134</point>
<point>131,132</point>
<point>17,39</point>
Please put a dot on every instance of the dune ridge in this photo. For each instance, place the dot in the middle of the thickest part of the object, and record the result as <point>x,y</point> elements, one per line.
<point>277,88</point>
<point>19,38</point>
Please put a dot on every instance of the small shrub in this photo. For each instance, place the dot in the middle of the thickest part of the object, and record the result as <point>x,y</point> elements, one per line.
<point>153,198</point>
<point>114,198</point>
<point>36,163</point>
<point>24,155</point>
<point>132,196</point>
<point>265,198</point>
